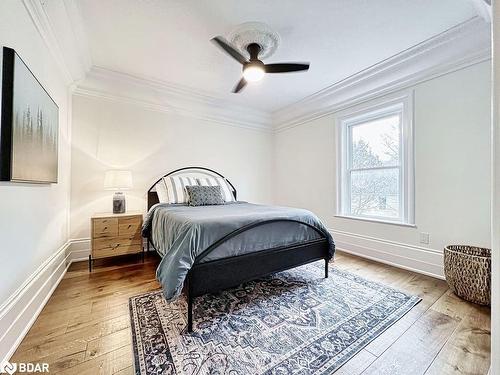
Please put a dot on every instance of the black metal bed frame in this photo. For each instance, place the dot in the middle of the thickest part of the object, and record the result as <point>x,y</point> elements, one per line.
<point>216,275</point>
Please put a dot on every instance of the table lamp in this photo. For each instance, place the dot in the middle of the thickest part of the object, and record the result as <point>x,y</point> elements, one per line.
<point>118,181</point>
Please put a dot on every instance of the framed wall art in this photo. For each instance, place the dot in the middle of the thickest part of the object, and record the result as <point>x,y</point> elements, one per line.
<point>29,125</point>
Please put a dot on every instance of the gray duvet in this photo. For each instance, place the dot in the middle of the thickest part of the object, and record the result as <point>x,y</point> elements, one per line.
<point>180,233</point>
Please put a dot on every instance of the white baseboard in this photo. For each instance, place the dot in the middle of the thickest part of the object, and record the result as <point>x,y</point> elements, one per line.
<point>79,249</point>
<point>409,257</point>
<point>20,310</point>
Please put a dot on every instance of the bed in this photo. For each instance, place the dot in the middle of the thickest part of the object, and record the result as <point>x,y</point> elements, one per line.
<point>207,249</point>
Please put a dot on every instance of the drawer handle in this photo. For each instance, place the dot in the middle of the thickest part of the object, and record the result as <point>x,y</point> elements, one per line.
<point>115,246</point>
<point>129,226</point>
<point>105,228</point>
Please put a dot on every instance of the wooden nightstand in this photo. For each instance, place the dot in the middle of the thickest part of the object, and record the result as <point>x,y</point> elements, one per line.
<point>115,234</point>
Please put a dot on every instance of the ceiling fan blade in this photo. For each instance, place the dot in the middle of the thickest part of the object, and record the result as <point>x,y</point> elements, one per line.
<point>242,83</point>
<point>285,68</point>
<point>229,49</point>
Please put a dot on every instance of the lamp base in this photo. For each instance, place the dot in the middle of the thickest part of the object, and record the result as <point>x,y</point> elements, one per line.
<point>119,203</point>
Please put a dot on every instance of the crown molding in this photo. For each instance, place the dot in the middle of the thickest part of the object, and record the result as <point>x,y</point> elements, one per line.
<point>42,23</point>
<point>461,46</point>
<point>73,67</point>
<point>483,8</point>
<point>162,96</point>
<point>80,36</point>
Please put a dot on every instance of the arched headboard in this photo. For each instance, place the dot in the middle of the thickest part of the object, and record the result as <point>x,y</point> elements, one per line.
<point>186,171</point>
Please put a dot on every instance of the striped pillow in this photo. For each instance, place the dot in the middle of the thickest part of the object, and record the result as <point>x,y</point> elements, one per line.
<point>161,191</point>
<point>227,191</point>
<point>172,189</point>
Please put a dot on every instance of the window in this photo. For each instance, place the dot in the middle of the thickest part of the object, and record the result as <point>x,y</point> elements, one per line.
<point>376,163</point>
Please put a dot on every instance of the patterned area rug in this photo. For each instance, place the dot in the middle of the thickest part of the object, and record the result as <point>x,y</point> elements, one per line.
<point>294,322</point>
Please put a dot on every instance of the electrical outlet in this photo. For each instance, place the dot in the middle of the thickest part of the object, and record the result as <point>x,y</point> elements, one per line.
<point>425,238</point>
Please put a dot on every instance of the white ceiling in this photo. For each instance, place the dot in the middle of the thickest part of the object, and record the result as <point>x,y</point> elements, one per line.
<point>168,40</point>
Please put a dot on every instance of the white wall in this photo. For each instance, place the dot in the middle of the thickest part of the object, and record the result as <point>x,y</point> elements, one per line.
<point>452,124</point>
<point>110,134</point>
<point>495,194</point>
<point>33,218</point>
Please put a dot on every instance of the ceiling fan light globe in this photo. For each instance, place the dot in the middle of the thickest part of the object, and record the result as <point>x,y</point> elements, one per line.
<point>253,73</point>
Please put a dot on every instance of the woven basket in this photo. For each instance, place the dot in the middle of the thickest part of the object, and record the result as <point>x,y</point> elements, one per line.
<point>468,272</point>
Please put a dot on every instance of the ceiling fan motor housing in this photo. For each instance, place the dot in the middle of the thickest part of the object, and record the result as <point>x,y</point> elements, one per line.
<point>254,50</point>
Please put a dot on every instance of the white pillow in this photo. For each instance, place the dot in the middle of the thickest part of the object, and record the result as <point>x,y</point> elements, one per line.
<point>227,191</point>
<point>161,191</point>
<point>172,189</point>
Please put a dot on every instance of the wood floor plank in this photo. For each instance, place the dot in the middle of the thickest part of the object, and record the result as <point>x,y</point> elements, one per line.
<point>452,305</point>
<point>467,350</point>
<point>430,290</point>
<point>83,298</point>
<point>109,363</point>
<point>398,329</point>
<point>414,352</point>
<point>39,334</point>
<point>78,345</point>
<point>126,371</point>
<point>51,350</point>
<point>109,343</point>
<point>59,363</point>
<point>99,315</point>
<point>357,364</point>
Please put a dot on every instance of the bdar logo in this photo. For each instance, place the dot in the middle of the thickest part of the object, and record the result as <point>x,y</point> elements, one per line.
<point>8,368</point>
<point>23,368</point>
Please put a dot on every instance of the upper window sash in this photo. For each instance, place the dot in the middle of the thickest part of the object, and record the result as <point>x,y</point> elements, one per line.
<point>362,121</point>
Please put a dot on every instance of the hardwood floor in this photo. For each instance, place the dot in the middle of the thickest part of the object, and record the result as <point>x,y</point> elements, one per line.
<point>85,327</point>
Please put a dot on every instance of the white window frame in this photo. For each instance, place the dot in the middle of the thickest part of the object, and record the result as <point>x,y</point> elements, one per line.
<point>402,105</point>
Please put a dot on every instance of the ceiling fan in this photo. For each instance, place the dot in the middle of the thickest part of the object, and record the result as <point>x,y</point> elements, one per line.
<point>254,69</point>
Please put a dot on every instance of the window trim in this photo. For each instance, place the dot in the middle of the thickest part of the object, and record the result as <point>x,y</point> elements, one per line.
<point>403,104</point>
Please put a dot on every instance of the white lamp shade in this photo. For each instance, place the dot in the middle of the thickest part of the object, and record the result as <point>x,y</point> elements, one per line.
<point>118,180</point>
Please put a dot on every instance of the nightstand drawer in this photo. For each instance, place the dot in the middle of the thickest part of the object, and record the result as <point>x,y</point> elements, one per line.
<point>119,250</point>
<point>116,242</point>
<point>105,227</point>
<point>129,226</point>
<point>116,234</point>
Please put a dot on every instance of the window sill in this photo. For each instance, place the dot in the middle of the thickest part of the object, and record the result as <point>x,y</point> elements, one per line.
<point>379,221</point>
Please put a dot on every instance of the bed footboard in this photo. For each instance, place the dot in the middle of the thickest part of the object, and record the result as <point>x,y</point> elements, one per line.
<point>217,275</point>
